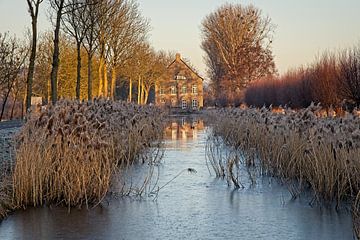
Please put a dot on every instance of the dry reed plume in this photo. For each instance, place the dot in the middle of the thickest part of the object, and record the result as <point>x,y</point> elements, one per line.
<point>304,150</point>
<point>68,153</point>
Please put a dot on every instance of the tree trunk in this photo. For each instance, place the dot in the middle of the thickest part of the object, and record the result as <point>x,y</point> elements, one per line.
<point>142,92</point>
<point>113,82</point>
<point>106,87</point>
<point>22,108</point>
<point>2,110</point>
<point>78,68</point>
<point>56,54</point>
<point>48,91</point>
<point>4,103</point>
<point>139,89</point>
<point>13,106</point>
<point>130,90</point>
<point>89,75</point>
<point>146,96</point>
<point>30,75</point>
<point>101,65</point>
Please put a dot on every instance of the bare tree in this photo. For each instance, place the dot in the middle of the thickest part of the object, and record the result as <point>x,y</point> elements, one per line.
<point>349,75</point>
<point>12,58</point>
<point>147,67</point>
<point>105,10</point>
<point>74,22</point>
<point>323,74</point>
<point>42,83</point>
<point>33,6</point>
<point>127,29</point>
<point>90,22</point>
<point>58,7</point>
<point>237,42</point>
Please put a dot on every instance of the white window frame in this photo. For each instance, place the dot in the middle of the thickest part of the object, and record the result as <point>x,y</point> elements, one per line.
<point>194,89</point>
<point>184,89</point>
<point>173,90</point>
<point>180,77</point>
<point>162,90</point>
<point>183,104</point>
<point>194,103</point>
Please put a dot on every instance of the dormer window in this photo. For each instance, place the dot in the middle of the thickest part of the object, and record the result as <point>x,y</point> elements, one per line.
<point>180,77</point>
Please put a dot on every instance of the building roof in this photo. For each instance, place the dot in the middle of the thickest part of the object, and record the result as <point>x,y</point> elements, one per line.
<point>178,59</point>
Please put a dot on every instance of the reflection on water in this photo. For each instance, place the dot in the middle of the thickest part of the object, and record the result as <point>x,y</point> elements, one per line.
<point>183,128</point>
<point>196,206</point>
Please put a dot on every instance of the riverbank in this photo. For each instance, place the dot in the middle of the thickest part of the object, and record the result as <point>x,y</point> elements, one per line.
<point>7,158</point>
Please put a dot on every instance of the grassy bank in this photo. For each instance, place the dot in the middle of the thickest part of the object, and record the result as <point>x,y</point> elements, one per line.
<point>306,151</point>
<point>68,153</point>
<point>6,166</point>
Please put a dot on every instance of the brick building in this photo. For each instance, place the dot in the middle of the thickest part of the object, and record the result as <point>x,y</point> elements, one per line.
<point>181,87</point>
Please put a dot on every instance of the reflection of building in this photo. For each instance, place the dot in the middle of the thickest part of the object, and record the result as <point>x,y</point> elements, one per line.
<point>181,87</point>
<point>183,129</point>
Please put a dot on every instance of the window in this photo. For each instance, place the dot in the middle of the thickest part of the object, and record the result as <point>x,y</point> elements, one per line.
<point>173,90</point>
<point>180,77</point>
<point>194,103</point>
<point>162,100</point>
<point>162,91</point>
<point>183,121</point>
<point>183,89</point>
<point>183,104</point>
<point>194,89</point>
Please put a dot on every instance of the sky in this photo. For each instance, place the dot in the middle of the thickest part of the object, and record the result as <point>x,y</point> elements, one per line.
<point>304,28</point>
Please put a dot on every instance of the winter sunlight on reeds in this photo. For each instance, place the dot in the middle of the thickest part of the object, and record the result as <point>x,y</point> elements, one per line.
<point>309,153</point>
<point>69,153</point>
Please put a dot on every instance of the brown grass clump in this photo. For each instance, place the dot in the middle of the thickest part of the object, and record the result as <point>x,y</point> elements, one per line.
<point>6,201</point>
<point>68,153</point>
<point>6,170</point>
<point>303,150</point>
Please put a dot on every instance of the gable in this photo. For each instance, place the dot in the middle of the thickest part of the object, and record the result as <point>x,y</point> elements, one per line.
<point>179,67</point>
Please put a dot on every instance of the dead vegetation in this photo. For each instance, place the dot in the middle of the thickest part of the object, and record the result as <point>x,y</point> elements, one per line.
<point>69,153</point>
<point>306,152</point>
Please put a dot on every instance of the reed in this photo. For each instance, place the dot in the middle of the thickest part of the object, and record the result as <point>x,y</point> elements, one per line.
<point>303,150</point>
<point>69,153</point>
<point>6,203</point>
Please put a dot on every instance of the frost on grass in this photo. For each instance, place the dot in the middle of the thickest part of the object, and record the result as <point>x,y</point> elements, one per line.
<point>69,153</point>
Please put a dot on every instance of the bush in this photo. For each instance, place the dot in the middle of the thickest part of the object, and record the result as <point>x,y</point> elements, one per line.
<point>332,80</point>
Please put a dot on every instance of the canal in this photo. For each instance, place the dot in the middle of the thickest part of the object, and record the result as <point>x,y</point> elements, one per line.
<point>192,206</point>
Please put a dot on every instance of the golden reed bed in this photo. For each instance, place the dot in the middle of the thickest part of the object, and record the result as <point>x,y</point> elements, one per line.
<point>302,149</point>
<point>68,153</point>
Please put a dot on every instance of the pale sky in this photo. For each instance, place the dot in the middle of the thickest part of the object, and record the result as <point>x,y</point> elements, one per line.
<point>304,29</point>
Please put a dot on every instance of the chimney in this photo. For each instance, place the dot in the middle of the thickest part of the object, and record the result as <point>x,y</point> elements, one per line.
<point>178,57</point>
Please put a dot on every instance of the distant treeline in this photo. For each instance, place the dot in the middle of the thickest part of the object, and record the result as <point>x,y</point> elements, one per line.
<point>332,80</point>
